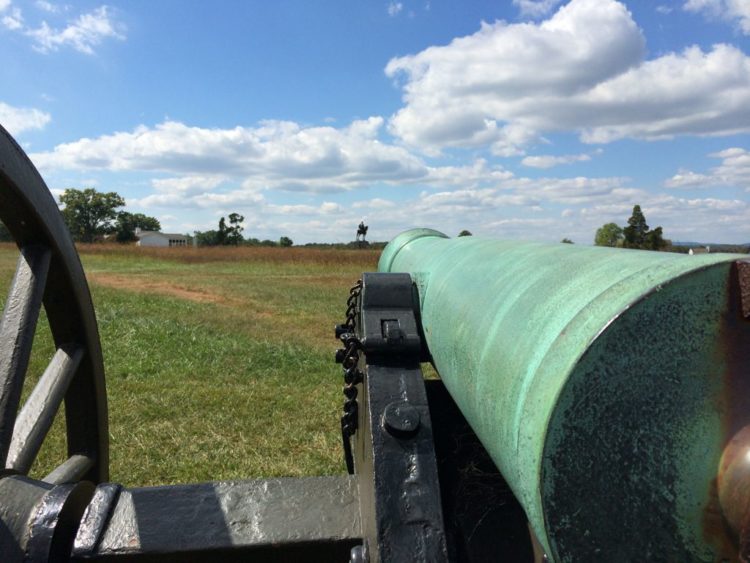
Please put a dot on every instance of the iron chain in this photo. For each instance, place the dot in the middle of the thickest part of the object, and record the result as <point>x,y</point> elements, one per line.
<point>348,356</point>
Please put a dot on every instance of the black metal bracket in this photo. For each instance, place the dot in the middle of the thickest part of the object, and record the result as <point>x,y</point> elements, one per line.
<point>402,518</point>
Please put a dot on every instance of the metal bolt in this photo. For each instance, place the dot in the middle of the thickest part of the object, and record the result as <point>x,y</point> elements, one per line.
<point>400,419</point>
<point>358,554</point>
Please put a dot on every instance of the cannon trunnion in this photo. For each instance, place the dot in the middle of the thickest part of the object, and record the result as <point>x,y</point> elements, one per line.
<point>611,388</point>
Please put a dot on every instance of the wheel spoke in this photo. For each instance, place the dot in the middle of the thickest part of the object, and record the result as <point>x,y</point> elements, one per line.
<point>71,470</point>
<point>40,408</point>
<point>17,334</point>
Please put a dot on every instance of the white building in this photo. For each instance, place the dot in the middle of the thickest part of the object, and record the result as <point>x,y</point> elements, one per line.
<point>154,238</point>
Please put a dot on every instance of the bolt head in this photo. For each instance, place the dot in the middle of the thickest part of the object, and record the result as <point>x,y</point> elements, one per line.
<point>400,419</point>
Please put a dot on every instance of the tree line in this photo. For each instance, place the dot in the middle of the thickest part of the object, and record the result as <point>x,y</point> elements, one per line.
<point>637,234</point>
<point>91,215</point>
<point>231,234</point>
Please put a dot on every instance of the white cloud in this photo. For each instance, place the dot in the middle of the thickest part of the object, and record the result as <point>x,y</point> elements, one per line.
<point>4,5</point>
<point>18,120</point>
<point>83,34</point>
<point>549,161</point>
<point>205,200</point>
<point>735,11</point>
<point>375,203</point>
<point>688,179</point>
<point>47,6</point>
<point>582,70</point>
<point>733,171</point>
<point>187,185</point>
<point>477,174</point>
<point>535,8</point>
<point>662,9</point>
<point>518,213</point>
<point>276,154</point>
<point>14,20</point>
<point>394,8</point>
<point>575,191</point>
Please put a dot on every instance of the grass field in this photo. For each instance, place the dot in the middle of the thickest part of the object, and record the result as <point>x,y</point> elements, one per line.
<point>219,361</point>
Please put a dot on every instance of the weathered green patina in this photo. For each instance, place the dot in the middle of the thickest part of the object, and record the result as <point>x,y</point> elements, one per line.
<point>604,383</point>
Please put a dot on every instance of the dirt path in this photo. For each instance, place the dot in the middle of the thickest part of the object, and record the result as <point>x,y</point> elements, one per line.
<point>139,285</point>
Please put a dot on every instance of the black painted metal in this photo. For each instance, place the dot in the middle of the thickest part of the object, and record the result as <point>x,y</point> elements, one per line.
<point>310,519</point>
<point>39,411</point>
<point>17,334</point>
<point>72,469</point>
<point>31,215</point>
<point>394,453</point>
<point>55,522</point>
<point>19,498</point>
<point>39,520</point>
<point>96,518</point>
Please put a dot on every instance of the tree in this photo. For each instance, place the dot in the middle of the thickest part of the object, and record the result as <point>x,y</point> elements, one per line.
<point>127,223</point>
<point>231,234</point>
<point>89,213</point>
<point>285,241</point>
<point>221,234</point>
<point>608,235</point>
<point>465,233</point>
<point>207,238</point>
<point>567,241</point>
<point>637,229</point>
<point>234,233</point>
<point>655,240</point>
<point>636,235</point>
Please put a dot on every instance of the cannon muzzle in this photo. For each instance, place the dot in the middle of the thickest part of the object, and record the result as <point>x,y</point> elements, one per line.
<point>604,383</point>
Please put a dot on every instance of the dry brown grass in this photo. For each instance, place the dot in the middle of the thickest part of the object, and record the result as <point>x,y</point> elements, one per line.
<point>276,255</point>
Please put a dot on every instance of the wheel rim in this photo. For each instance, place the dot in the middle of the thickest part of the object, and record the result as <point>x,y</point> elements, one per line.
<point>48,273</point>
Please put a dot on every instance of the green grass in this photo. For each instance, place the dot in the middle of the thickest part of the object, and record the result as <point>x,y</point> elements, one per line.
<point>219,365</point>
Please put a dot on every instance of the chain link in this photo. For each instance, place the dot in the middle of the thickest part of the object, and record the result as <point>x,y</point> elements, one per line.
<point>348,356</point>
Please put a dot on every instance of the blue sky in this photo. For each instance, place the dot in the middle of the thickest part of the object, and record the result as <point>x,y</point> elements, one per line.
<point>514,119</point>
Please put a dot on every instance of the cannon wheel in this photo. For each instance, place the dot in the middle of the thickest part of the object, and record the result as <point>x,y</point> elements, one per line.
<point>49,273</point>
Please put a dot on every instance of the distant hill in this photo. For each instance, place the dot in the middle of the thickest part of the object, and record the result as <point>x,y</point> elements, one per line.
<point>715,246</point>
<point>681,243</point>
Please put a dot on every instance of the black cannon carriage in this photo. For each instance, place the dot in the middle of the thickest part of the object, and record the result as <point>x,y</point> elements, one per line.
<point>610,446</point>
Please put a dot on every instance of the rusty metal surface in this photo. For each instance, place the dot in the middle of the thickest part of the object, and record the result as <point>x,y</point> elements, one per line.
<point>273,519</point>
<point>733,482</point>
<point>604,383</point>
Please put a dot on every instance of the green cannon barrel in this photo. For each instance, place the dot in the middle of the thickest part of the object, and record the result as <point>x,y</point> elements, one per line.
<point>605,384</point>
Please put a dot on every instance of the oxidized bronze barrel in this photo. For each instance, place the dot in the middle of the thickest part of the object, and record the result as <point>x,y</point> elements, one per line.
<point>605,384</point>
